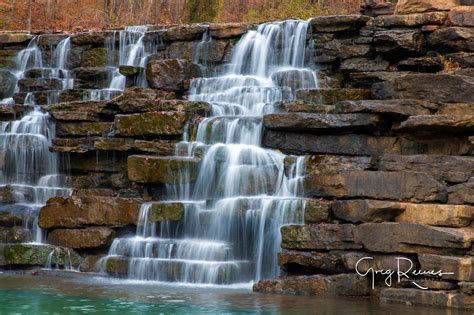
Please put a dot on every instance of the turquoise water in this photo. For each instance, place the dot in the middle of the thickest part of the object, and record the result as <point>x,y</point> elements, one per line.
<point>71,293</point>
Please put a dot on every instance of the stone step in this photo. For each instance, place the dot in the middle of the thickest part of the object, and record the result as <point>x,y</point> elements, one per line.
<point>83,111</point>
<point>57,96</point>
<point>176,270</point>
<point>15,234</point>
<point>65,129</point>
<point>164,170</point>
<point>13,112</point>
<point>81,145</point>
<point>387,107</point>
<point>303,107</point>
<point>366,210</point>
<point>321,122</point>
<point>378,237</point>
<point>332,96</point>
<point>21,255</point>
<point>182,249</point>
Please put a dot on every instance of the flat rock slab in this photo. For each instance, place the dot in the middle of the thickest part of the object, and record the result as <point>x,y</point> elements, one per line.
<point>452,169</point>
<point>406,186</point>
<point>412,238</point>
<point>332,96</point>
<point>93,237</point>
<point>319,237</point>
<point>320,122</point>
<point>36,255</point>
<point>440,123</point>
<point>83,128</point>
<point>77,212</point>
<point>340,285</point>
<point>350,144</point>
<point>338,23</point>
<point>387,107</point>
<point>432,87</point>
<point>163,170</point>
<point>367,210</point>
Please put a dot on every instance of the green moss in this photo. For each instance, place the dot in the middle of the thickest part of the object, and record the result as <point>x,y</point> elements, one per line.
<point>162,211</point>
<point>96,57</point>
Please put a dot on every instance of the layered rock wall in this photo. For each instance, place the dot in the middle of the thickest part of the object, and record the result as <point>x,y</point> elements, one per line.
<point>388,139</point>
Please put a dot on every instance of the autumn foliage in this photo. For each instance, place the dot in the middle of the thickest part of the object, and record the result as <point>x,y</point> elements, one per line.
<point>70,15</point>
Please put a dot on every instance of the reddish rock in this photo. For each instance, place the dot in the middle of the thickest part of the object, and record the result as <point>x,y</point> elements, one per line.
<point>93,237</point>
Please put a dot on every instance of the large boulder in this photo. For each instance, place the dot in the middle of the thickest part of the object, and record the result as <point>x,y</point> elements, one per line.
<point>184,32</point>
<point>399,41</point>
<point>77,212</point>
<point>419,6</point>
<point>14,38</point>
<point>171,74</point>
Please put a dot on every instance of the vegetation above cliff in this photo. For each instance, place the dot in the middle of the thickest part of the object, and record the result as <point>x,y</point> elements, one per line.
<point>97,14</point>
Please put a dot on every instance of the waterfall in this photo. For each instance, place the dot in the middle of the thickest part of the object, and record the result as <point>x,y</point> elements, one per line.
<point>132,52</point>
<point>242,196</point>
<point>29,168</point>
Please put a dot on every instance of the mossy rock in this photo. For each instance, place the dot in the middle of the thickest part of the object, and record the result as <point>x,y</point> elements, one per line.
<point>36,255</point>
<point>130,71</point>
<point>164,170</point>
<point>96,57</point>
<point>166,211</point>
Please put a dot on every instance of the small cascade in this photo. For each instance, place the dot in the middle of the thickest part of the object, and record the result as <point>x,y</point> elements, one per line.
<point>132,52</point>
<point>29,168</point>
<point>243,194</point>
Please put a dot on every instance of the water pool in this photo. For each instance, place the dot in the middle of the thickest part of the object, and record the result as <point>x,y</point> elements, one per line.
<point>71,293</point>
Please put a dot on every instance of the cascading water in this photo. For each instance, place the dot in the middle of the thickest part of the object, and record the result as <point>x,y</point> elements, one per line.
<point>242,196</point>
<point>29,168</point>
<point>132,52</point>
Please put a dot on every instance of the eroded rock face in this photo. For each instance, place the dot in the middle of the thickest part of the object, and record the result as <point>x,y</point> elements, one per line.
<point>171,74</point>
<point>151,123</point>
